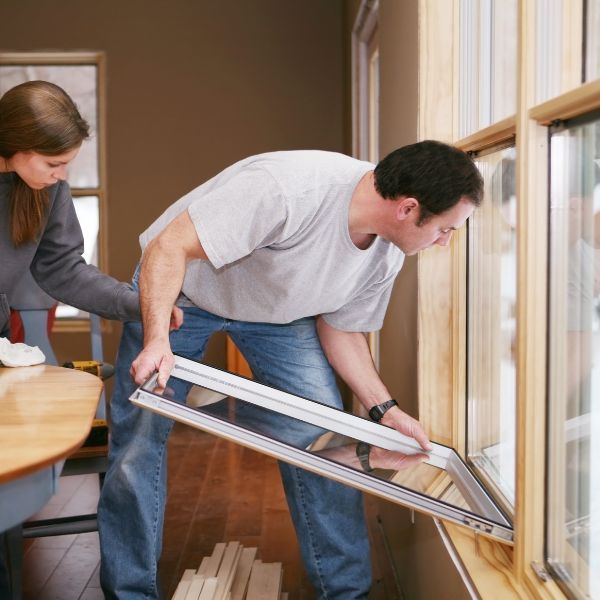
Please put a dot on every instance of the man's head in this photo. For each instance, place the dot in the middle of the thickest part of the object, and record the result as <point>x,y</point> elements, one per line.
<point>435,188</point>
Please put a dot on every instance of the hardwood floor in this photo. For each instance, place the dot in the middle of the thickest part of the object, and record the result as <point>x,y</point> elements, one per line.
<point>218,492</point>
<point>65,567</point>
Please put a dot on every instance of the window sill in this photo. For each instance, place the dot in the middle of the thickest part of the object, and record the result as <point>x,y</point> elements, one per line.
<point>487,568</point>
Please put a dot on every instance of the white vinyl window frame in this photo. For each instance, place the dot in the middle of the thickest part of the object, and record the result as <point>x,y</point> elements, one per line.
<point>483,514</point>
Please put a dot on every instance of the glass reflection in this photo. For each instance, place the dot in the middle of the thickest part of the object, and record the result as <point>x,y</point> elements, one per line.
<point>492,294</point>
<point>407,470</point>
<point>573,528</point>
<point>592,41</point>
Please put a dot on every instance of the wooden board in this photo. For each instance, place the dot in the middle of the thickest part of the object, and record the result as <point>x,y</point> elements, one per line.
<point>242,574</point>
<point>265,581</point>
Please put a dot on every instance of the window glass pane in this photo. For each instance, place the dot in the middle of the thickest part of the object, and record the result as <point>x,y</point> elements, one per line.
<point>491,326</point>
<point>573,528</point>
<point>468,68</point>
<point>488,67</point>
<point>504,59</point>
<point>86,208</point>
<point>548,48</point>
<point>592,41</point>
<point>79,81</point>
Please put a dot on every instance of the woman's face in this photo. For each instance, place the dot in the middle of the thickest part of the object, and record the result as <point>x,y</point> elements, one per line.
<point>39,170</point>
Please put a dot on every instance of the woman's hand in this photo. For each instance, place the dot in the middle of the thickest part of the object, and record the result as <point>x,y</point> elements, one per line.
<point>176,319</point>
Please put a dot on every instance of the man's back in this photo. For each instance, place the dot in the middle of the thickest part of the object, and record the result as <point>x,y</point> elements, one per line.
<point>275,230</point>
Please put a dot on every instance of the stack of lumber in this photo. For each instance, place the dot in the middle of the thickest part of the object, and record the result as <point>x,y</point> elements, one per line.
<point>232,572</point>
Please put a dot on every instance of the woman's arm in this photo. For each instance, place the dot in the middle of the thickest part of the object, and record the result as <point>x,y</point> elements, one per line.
<point>61,271</point>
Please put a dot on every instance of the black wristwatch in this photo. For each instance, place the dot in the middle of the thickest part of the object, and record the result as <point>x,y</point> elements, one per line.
<point>362,451</point>
<point>376,412</point>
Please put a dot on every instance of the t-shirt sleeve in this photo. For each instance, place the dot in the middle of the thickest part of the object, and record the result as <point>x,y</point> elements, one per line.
<point>246,212</point>
<point>365,312</point>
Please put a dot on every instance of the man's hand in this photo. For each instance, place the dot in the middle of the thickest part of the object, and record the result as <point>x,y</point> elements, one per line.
<point>349,354</point>
<point>400,421</point>
<point>156,356</point>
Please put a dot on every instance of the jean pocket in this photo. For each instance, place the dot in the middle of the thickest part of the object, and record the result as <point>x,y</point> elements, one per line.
<point>4,316</point>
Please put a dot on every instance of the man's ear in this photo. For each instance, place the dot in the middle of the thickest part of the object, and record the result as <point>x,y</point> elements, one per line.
<point>406,207</point>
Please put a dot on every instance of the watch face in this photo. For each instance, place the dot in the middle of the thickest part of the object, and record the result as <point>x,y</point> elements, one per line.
<point>376,413</point>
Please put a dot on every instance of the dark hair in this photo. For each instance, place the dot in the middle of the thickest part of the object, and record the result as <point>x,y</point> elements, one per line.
<point>436,174</point>
<point>36,116</point>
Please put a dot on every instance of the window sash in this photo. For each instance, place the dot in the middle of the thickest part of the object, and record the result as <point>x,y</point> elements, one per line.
<point>491,327</point>
<point>572,529</point>
<point>442,485</point>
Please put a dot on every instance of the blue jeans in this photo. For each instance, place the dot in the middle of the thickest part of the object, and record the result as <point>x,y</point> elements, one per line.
<point>328,516</point>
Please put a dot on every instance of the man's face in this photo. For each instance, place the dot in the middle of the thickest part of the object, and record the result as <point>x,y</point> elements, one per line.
<point>436,230</point>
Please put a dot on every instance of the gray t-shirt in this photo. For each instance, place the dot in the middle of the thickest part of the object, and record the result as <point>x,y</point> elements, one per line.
<point>275,230</point>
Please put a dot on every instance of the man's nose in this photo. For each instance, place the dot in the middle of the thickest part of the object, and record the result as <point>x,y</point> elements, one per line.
<point>444,239</point>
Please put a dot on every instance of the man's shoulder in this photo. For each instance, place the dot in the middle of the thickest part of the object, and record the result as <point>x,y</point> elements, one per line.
<point>308,156</point>
<point>311,168</point>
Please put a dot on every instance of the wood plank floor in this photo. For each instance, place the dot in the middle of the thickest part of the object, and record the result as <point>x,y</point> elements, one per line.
<point>218,492</point>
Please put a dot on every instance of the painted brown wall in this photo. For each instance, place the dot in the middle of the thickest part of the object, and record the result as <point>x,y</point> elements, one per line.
<point>423,566</point>
<point>192,86</point>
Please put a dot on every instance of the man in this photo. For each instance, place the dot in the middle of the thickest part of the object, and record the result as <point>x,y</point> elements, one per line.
<point>294,254</point>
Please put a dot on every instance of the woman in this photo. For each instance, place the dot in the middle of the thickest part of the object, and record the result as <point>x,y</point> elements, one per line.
<point>41,132</point>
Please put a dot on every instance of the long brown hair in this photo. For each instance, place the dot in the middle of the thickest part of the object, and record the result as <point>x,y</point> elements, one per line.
<point>36,116</point>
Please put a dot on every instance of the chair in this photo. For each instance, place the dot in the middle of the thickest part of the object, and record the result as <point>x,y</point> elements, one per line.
<point>90,458</point>
<point>32,325</point>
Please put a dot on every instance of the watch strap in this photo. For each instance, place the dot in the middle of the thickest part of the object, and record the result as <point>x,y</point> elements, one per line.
<point>376,412</point>
<point>362,451</point>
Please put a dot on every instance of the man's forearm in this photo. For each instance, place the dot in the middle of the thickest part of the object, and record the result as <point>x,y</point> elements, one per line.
<point>161,278</point>
<point>349,354</point>
<point>163,270</point>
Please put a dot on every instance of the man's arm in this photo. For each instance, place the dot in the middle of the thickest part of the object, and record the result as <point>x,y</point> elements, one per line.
<point>348,353</point>
<point>161,277</point>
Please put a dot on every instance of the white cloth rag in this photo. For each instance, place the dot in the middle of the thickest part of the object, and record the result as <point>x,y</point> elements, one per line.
<point>19,355</point>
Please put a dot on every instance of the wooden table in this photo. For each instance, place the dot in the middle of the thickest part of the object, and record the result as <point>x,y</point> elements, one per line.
<point>45,414</point>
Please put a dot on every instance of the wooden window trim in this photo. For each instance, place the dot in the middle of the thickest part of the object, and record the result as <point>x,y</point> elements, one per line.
<point>494,135</point>
<point>488,565</point>
<point>365,44</point>
<point>574,103</point>
<point>363,32</point>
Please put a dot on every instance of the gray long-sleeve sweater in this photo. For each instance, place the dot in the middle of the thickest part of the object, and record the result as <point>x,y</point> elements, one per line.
<point>56,263</point>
